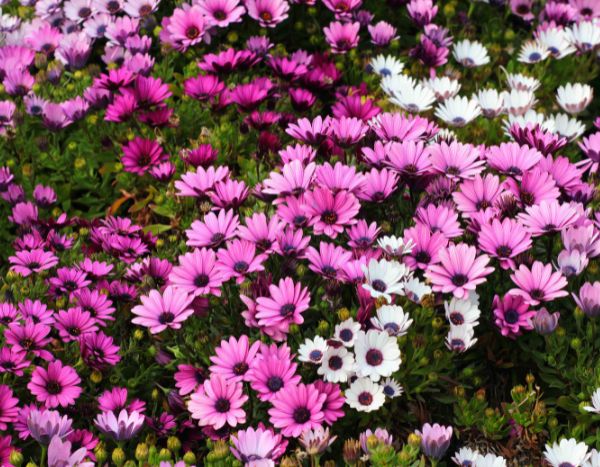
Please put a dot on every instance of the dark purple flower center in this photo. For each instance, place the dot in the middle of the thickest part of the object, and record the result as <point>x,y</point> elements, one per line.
<point>389,391</point>
<point>514,170</point>
<point>329,217</point>
<point>422,257</point>
<point>346,335</point>
<point>222,405</point>
<point>217,238</point>
<point>70,285</point>
<point>459,280</point>
<point>537,294</point>
<point>549,227</point>
<point>329,270</point>
<point>410,169</point>
<point>374,357</point>
<point>483,204</point>
<point>166,317</point>
<point>266,16</point>
<point>379,285</point>
<point>299,220</point>
<point>315,355</point>
<point>391,328</point>
<point>335,363</point>
<point>566,464</point>
<point>145,10</point>
<point>240,267</point>
<point>301,415</point>
<point>27,343</point>
<point>457,318</point>
<point>201,280</point>
<point>85,12</point>
<point>365,398</point>
<point>451,170</point>
<point>503,251</point>
<point>219,15</point>
<point>457,344</point>
<point>522,9</point>
<point>74,331</point>
<point>274,383</point>
<point>53,387</point>
<point>527,198</point>
<point>287,310</point>
<point>240,368</point>
<point>192,32</point>
<point>511,316</point>
<point>113,6</point>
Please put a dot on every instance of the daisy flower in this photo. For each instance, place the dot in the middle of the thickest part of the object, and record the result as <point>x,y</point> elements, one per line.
<point>56,385</point>
<point>385,278</point>
<point>233,358</point>
<point>465,457</point>
<point>392,319</point>
<point>197,274</point>
<point>297,409</point>
<point>386,65</point>
<point>504,240</point>
<point>331,212</point>
<point>214,229</point>
<point>595,407</point>
<point>238,259</point>
<point>217,402</point>
<point>268,13</point>
<point>443,87</point>
<point>27,262</point>
<point>566,452</point>
<point>547,217</point>
<point>491,102</point>
<point>364,395</point>
<point>533,52</point>
<point>377,354</point>
<point>455,160</point>
<point>256,446</point>
<point>414,99</point>
<point>470,53</point>
<point>391,388</point>
<point>458,111</point>
<point>312,351</point>
<point>160,311</point>
<point>459,312</point>
<point>337,365</point>
<point>538,283</point>
<point>346,332</point>
<point>124,426</point>
<point>270,374</point>
<point>460,338</point>
<point>512,315</point>
<point>285,305</point>
<point>8,407</point>
<point>574,98</point>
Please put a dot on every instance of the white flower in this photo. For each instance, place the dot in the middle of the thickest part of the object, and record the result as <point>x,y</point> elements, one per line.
<point>584,35</point>
<point>392,319</point>
<point>460,312</point>
<point>458,111</point>
<point>312,351</point>
<point>416,99</point>
<point>490,460</point>
<point>570,128</point>
<point>346,331</point>
<point>377,354</point>
<point>573,98</point>
<point>533,52</point>
<point>460,338</point>
<point>443,87</point>
<point>391,388</point>
<point>593,460</point>
<point>572,263</point>
<point>395,84</point>
<point>529,117</point>
<point>491,102</point>
<point>444,134</point>
<point>364,395</point>
<point>518,102</point>
<point>385,278</point>
<point>395,246</point>
<point>566,453</point>
<point>465,457</point>
<point>470,53</point>
<point>556,41</point>
<point>336,365</point>
<point>415,290</point>
<point>386,65</point>
<point>521,82</point>
<point>595,407</point>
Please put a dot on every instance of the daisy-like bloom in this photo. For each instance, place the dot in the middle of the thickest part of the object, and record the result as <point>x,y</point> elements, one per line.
<point>186,27</point>
<point>504,240</point>
<point>217,402</point>
<point>534,187</point>
<point>459,271</point>
<point>312,351</point>
<point>584,35</point>
<point>197,274</point>
<point>589,299</point>
<point>339,177</point>
<point>12,361</point>
<point>465,457</point>
<point>311,132</point>
<point>342,37</point>
<point>441,219</point>
<point>377,354</point>
<point>414,99</point>
<point>443,87</point>
<point>385,278</point>
<point>378,185</point>
<point>455,160</point>
<point>328,259</point>
<point>521,82</point>
<point>533,52</point>
<point>27,262</point>
<point>59,453</point>
<point>43,425</point>
<point>538,283</point>
<point>391,388</point>
<point>460,338</point>
<point>364,395</point>
<point>221,13</point>
<point>572,263</point>
<point>57,385</point>
<point>160,311</point>
<point>547,217</point>
<point>489,460</point>
<point>477,194</point>
<point>201,183</point>
<point>556,41</point>
<point>270,374</point>
<point>347,131</point>
<point>238,259</point>
<point>470,53</point>
<point>567,127</point>
<point>458,111</point>
<point>566,453</point>
<point>214,229</point>
<point>188,377</point>
<point>382,33</point>
<point>298,409</point>
<point>331,212</point>
<point>416,290</point>
<point>409,158</point>
<point>337,364</point>
<point>363,235</point>
<point>512,159</point>
<point>392,319</point>
<point>74,323</point>
<point>545,323</point>
<point>8,407</point>
<point>97,350</point>
<point>459,312</point>
<point>386,65</point>
<point>512,315</point>
<point>233,358</point>
<point>285,305</point>
<point>268,13</point>
<point>294,180</point>
<point>29,337</point>
<point>518,102</point>
<point>124,426</point>
<point>140,155</point>
<point>574,98</point>
<point>346,332</point>
<point>257,446</point>
<point>491,102</point>
<point>595,401</point>
<point>435,439</point>
<point>395,247</point>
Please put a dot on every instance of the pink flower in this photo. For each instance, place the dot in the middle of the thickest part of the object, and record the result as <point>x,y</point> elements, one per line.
<point>268,13</point>
<point>512,315</point>
<point>342,37</point>
<point>233,358</point>
<point>58,385</point>
<point>298,409</point>
<point>294,180</point>
<point>161,311</point>
<point>213,229</point>
<point>331,212</point>
<point>27,262</point>
<point>257,446</point>
<point>218,402</point>
<point>197,273</point>
<point>459,271</point>
<point>548,217</point>
<point>455,160</point>
<point>8,406</point>
<point>238,259</point>
<point>221,13</point>
<point>140,155</point>
<point>512,159</point>
<point>538,284</point>
<point>477,194</point>
<point>440,218</point>
<point>120,427</point>
<point>270,374</point>
<point>504,240</point>
<point>285,305</point>
<point>328,259</point>
<point>186,27</point>
<point>427,246</point>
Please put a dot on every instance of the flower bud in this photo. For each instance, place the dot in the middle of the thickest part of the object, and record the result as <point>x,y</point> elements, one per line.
<point>189,458</point>
<point>323,327</point>
<point>164,455</point>
<point>372,442</point>
<point>414,440</point>
<point>437,322</point>
<point>138,334</point>
<point>544,322</point>
<point>343,314</point>
<point>141,452</point>
<point>100,453</point>
<point>118,457</point>
<point>352,451</point>
<point>576,343</point>
<point>96,377</point>
<point>174,444</point>
<point>16,458</point>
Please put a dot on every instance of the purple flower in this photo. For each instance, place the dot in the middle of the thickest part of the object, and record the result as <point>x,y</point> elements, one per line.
<point>435,439</point>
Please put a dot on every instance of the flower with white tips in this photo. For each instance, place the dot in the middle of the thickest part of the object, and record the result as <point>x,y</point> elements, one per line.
<point>459,312</point>
<point>585,35</point>
<point>415,290</point>
<point>491,102</point>
<point>593,460</point>
<point>566,453</point>
<point>465,457</point>
<point>346,332</point>
<point>518,102</point>
<point>529,117</point>
<point>396,84</point>
<point>386,65</point>
<point>391,388</point>
<point>573,98</point>
<point>470,53</point>
<point>385,278</point>
<point>364,395</point>
<point>521,82</point>
<point>312,351</point>
<point>460,338</point>
<point>443,87</point>
<point>533,52</point>
<point>392,319</point>
<point>458,111</point>
<point>416,99</point>
<point>556,41</point>
<point>395,246</point>
<point>595,407</point>
<point>568,127</point>
<point>337,365</point>
<point>377,354</point>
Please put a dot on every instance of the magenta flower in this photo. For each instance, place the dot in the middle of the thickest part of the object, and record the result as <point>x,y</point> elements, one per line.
<point>478,194</point>
<point>339,177</point>
<point>512,159</point>
<point>188,378</point>
<point>504,240</point>
<point>440,218</point>
<point>98,351</point>
<point>298,409</point>
<point>409,158</point>
<point>29,337</point>
<point>218,402</point>
<point>294,180</point>
<point>13,361</point>
<point>59,454</point>
<point>197,273</point>
<point>238,259</point>
<point>538,283</point>
<point>342,37</point>
<point>56,385</point>
<point>97,304</point>
<point>203,88</point>
<point>160,311</point>
<point>123,427</point>
<point>548,217</point>
<point>382,33</point>
<point>140,155</point>
<point>427,246</point>
<point>455,160</point>
<point>260,231</point>
<point>347,131</point>
<point>256,446</point>
<point>589,299</point>
<point>330,213</point>
<point>285,305</point>
<point>74,323</point>
<point>213,230</point>
<point>233,358</point>
<point>310,132</point>
<point>8,407</point>
<point>328,259</point>
<point>268,13</point>
<point>459,271</point>
<point>221,13</point>
<point>533,187</point>
<point>512,315</point>
<point>435,439</point>
<point>270,374</point>
<point>115,399</point>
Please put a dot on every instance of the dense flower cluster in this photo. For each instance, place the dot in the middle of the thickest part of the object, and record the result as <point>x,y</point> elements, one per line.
<point>260,232</point>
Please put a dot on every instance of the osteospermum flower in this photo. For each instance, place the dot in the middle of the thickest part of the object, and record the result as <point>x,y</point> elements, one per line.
<point>56,385</point>
<point>140,155</point>
<point>197,273</point>
<point>458,111</point>
<point>512,315</point>
<point>233,358</point>
<point>337,364</point>
<point>548,217</point>
<point>455,160</point>
<point>342,37</point>
<point>221,13</point>
<point>589,299</point>
<point>574,98</point>
<point>297,410</point>
<point>470,53</point>
<point>566,453</point>
<point>595,401</point>
<point>365,395</point>
<point>533,52</point>
<point>377,354</point>
<point>504,240</point>
<point>160,311</point>
<point>385,278</point>
<point>268,13</point>
<point>459,271</point>
<point>217,402</point>
<point>512,159</point>
<point>538,283</point>
<point>27,262</point>
<point>386,65</point>
<point>312,351</point>
<point>121,427</point>
<point>435,439</point>
<point>238,259</point>
<point>257,445</point>
<point>270,374</point>
<point>43,424</point>
<point>214,229</point>
<point>8,407</point>
<point>285,305</point>
<point>392,319</point>
<point>460,338</point>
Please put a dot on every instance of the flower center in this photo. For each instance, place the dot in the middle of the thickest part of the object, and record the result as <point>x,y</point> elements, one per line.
<point>85,12</point>
<point>240,368</point>
<point>222,405</point>
<point>217,238</point>
<point>365,398</point>
<point>145,10</point>
<point>287,310</point>
<point>537,294</point>
<point>219,15</point>
<point>457,318</point>
<point>379,285</point>
<point>34,265</point>
<point>301,415</point>
<point>422,257</point>
<point>346,335</point>
<point>53,387</point>
<point>503,251</point>
<point>374,357</point>
<point>201,280</point>
<point>166,317</point>
<point>457,344</point>
<point>459,280</point>
<point>391,328</point>
<point>511,316</point>
<point>266,16</point>
<point>240,267</point>
<point>329,217</point>
<point>192,32</point>
<point>274,383</point>
<point>315,355</point>
<point>388,391</point>
<point>335,363</point>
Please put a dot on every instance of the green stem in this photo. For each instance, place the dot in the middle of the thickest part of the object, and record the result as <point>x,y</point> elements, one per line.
<point>43,455</point>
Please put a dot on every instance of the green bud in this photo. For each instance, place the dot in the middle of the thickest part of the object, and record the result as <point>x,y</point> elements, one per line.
<point>141,452</point>
<point>16,458</point>
<point>130,463</point>
<point>433,376</point>
<point>575,343</point>
<point>96,377</point>
<point>174,444</point>
<point>118,456</point>
<point>101,454</point>
<point>189,458</point>
<point>437,322</point>
<point>553,422</point>
<point>138,334</point>
<point>323,327</point>
<point>414,440</point>
<point>164,455</point>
